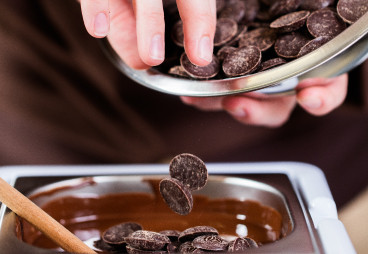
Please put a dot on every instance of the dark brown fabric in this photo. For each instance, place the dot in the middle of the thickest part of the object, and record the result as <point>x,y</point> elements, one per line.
<point>63,102</point>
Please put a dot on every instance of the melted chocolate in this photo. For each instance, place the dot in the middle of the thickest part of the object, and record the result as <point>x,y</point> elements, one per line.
<point>88,217</point>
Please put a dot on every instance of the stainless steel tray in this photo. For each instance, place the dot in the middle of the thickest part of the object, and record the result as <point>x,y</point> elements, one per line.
<point>298,191</point>
<point>341,54</point>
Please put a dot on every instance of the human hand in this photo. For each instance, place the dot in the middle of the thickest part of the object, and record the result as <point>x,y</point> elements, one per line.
<point>135,28</point>
<point>318,96</point>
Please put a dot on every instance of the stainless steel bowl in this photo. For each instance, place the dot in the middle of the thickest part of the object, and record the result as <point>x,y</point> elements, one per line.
<point>341,54</point>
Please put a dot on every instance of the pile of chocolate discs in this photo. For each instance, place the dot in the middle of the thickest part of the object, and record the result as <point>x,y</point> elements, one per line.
<point>129,237</point>
<point>256,35</point>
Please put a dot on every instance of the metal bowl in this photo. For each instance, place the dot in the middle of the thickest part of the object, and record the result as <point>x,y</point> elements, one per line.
<point>341,54</point>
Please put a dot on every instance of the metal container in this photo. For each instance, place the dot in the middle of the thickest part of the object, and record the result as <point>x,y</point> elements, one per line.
<point>341,54</point>
<point>299,192</point>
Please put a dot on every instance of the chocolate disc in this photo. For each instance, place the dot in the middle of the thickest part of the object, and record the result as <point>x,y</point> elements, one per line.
<point>242,61</point>
<point>190,233</point>
<point>351,10</point>
<point>220,5</point>
<point>177,33</point>
<point>132,250</point>
<point>282,7</point>
<point>226,29</point>
<point>171,234</point>
<point>289,45</point>
<point>290,22</point>
<point>176,195</point>
<point>200,72</point>
<point>223,52</point>
<point>234,9</point>
<point>190,170</point>
<point>313,45</point>
<point>313,5</point>
<point>325,22</point>
<point>269,64</point>
<point>252,243</point>
<point>116,234</point>
<point>147,240</point>
<point>173,247</point>
<point>210,243</point>
<point>238,245</point>
<point>262,37</point>
<point>188,248</point>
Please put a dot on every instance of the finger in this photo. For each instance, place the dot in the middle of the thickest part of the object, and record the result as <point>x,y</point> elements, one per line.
<point>123,33</point>
<point>207,103</point>
<point>150,30</point>
<point>96,17</point>
<point>199,24</point>
<point>270,112</point>
<point>321,96</point>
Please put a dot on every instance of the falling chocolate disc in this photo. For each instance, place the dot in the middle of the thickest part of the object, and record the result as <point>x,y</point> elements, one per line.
<point>262,37</point>
<point>313,45</point>
<point>325,22</point>
<point>271,63</point>
<point>351,10</point>
<point>290,22</point>
<point>147,240</point>
<point>115,235</point>
<point>200,72</point>
<point>226,29</point>
<point>313,5</point>
<point>176,195</point>
<point>191,233</point>
<point>190,170</point>
<point>289,45</point>
<point>242,61</point>
<point>210,243</point>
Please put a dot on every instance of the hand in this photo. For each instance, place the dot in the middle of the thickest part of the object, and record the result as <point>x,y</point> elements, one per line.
<point>318,96</point>
<point>135,28</point>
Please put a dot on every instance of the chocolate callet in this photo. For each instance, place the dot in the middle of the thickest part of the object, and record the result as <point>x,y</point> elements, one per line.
<point>289,45</point>
<point>191,233</point>
<point>223,52</point>
<point>200,72</point>
<point>132,250</point>
<point>242,61</point>
<point>233,9</point>
<point>116,234</point>
<point>190,170</point>
<point>176,195</point>
<point>177,33</point>
<point>282,7</point>
<point>147,240</point>
<point>313,45</point>
<point>262,37</point>
<point>290,22</point>
<point>226,29</point>
<point>351,10</point>
<point>252,242</point>
<point>188,248</point>
<point>210,243</point>
<point>178,71</point>
<point>173,235</point>
<point>271,63</point>
<point>238,245</point>
<point>325,22</point>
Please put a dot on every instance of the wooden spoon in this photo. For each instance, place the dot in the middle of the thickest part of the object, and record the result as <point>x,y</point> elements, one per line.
<point>26,209</point>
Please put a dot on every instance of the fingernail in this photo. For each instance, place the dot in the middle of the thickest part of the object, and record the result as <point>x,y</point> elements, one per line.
<point>312,102</point>
<point>157,48</point>
<point>101,24</point>
<point>238,112</point>
<point>205,49</point>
